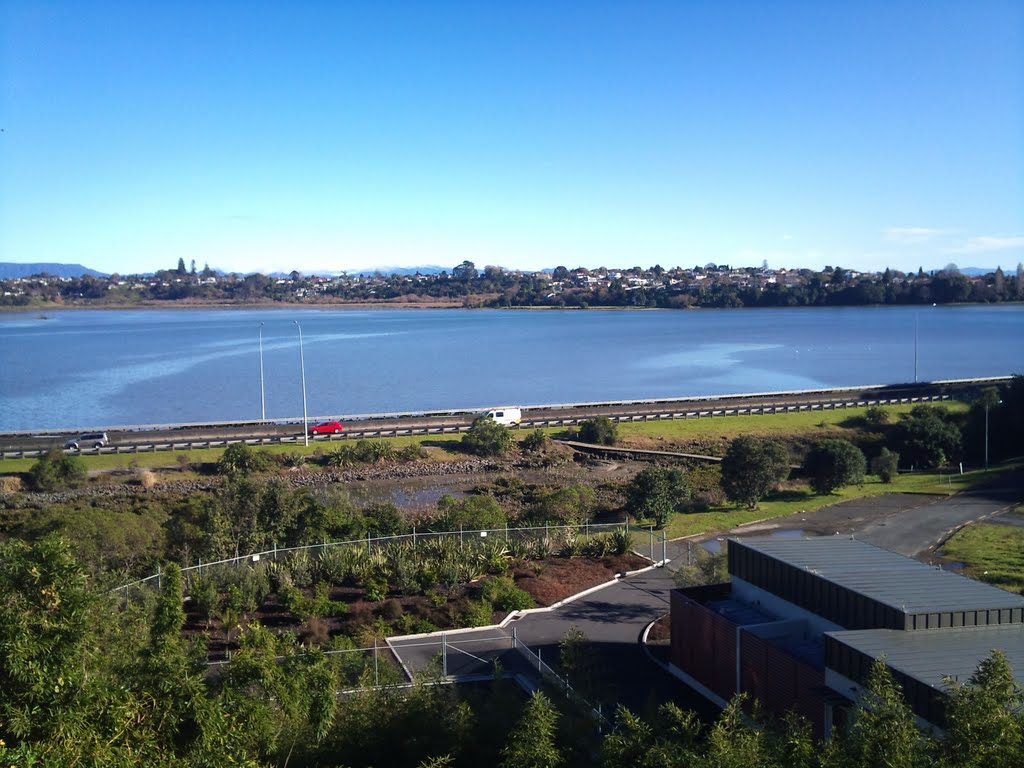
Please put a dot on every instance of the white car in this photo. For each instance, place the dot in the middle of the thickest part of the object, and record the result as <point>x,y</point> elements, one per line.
<point>507,417</point>
<point>88,440</point>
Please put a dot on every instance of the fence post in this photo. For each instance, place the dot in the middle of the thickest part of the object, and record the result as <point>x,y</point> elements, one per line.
<point>275,550</point>
<point>414,537</point>
<point>664,547</point>
<point>367,542</point>
<point>376,675</point>
<point>506,535</point>
<point>444,655</point>
<point>462,539</point>
<point>652,543</point>
<point>159,577</point>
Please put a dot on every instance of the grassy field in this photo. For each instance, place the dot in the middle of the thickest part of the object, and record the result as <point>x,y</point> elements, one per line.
<point>773,425</point>
<point>992,553</point>
<point>793,501</point>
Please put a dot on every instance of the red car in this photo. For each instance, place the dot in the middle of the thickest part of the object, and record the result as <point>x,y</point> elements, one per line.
<point>326,428</point>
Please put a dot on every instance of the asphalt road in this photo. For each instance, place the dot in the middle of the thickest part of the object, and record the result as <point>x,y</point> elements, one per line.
<point>613,618</point>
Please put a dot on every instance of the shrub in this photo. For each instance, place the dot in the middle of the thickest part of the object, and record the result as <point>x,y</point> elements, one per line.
<point>290,459</point>
<point>487,438</point>
<point>374,451</point>
<point>504,595</point>
<point>621,541</point>
<point>600,431</point>
<point>56,470</point>
<point>876,417</point>
<point>885,465</point>
<point>472,513</point>
<point>383,519</point>
<point>412,452</point>
<point>831,464</point>
<point>535,441</point>
<point>241,459</point>
<point>478,613</point>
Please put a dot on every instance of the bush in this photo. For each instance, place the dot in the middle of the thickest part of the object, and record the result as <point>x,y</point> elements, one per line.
<point>831,464</point>
<point>535,441</point>
<point>383,520</point>
<point>374,451</point>
<point>885,465</point>
<point>504,595</point>
<point>600,431</point>
<point>471,513</point>
<point>241,459</point>
<point>412,452</point>
<point>487,438</point>
<point>876,417</point>
<point>56,470</point>
<point>926,439</point>
<point>621,541</point>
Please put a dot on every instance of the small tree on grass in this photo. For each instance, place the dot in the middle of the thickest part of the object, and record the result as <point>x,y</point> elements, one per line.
<point>831,464</point>
<point>885,465</point>
<point>487,438</point>
<point>656,492</point>
<point>752,468</point>
<point>600,431</point>
<point>56,470</point>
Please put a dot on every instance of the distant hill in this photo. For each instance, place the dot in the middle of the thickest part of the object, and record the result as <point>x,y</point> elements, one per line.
<point>9,270</point>
<point>977,271</point>
<point>425,270</point>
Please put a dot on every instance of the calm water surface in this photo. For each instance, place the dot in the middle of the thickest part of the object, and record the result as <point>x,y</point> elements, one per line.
<point>96,368</point>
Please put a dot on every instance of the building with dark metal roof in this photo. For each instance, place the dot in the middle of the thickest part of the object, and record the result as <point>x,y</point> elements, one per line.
<point>806,619</point>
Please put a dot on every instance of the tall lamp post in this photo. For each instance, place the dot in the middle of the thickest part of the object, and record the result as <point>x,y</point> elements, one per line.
<point>263,399</point>
<point>989,397</point>
<point>302,369</point>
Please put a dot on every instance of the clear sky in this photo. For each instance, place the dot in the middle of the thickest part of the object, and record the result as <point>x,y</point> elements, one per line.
<point>345,135</point>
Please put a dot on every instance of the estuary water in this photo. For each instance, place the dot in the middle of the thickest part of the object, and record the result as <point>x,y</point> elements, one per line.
<point>90,368</point>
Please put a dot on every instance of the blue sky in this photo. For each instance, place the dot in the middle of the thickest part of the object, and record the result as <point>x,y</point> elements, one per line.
<point>346,135</point>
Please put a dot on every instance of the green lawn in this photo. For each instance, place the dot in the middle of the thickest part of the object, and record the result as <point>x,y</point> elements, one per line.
<point>992,553</point>
<point>773,425</point>
<point>793,501</point>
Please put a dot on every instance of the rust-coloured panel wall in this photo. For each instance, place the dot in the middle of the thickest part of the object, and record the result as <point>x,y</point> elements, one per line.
<point>782,682</point>
<point>704,645</point>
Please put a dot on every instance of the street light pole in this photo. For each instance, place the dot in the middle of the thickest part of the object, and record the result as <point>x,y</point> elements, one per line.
<point>302,369</point>
<point>916,315</point>
<point>263,399</point>
<point>986,435</point>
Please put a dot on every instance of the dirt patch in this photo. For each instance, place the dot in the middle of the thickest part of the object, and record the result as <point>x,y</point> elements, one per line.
<point>555,579</point>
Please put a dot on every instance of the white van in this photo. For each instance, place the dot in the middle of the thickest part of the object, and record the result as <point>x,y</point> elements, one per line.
<point>507,417</point>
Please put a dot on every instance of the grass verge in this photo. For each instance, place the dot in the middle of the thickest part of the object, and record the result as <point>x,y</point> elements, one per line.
<point>801,500</point>
<point>992,553</point>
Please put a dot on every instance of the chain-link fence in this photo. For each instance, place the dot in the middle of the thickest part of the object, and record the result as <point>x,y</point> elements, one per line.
<point>536,542</point>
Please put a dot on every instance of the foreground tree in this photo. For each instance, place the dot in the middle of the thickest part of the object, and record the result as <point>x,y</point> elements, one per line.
<point>985,719</point>
<point>656,492</point>
<point>531,743</point>
<point>884,732</point>
<point>752,468</point>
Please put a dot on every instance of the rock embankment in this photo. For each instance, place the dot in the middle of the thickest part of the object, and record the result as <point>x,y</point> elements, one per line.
<point>300,477</point>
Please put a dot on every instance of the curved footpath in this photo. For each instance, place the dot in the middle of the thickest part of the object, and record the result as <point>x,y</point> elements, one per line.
<point>613,617</point>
